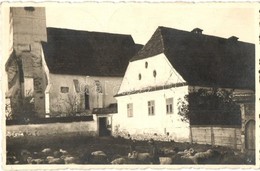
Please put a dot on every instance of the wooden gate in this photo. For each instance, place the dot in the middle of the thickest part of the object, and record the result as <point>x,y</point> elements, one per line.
<point>250,135</point>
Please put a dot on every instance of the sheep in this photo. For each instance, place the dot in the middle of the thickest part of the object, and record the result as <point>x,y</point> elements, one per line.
<point>47,151</point>
<point>30,160</point>
<point>64,152</point>
<point>208,157</point>
<point>123,160</point>
<point>165,160</point>
<point>52,160</point>
<point>120,160</point>
<point>95,153</point>
<point>144,158</point>
<point>68,159</point>
<point>98,157</point>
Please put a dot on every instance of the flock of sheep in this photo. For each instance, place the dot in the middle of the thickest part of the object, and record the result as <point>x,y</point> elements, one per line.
<point>153,156</point>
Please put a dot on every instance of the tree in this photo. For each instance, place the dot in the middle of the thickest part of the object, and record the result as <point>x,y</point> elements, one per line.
<point>210,107</point>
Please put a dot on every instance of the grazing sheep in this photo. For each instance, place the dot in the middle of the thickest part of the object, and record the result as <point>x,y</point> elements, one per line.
<point>47,151</point>
<point>64,152</point>
<point>68,159</point>
<point>143,158</point>
<point>95,153</point>
<point>165,160</point>
<point>208,157</point>
<point>50,157</point>
<point>98,157</point>
<point>52,160</point>
<point>30,160</point>
<point>120,160</point>
<point>178,159</point>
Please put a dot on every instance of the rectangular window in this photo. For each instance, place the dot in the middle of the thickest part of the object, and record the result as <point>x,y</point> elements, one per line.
<point>130,110</point>
<point>151,107</point>
<point>169,105</point>
<point>64,89</point>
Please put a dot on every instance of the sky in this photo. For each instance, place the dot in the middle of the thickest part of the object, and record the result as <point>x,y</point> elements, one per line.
<point>141,19</point>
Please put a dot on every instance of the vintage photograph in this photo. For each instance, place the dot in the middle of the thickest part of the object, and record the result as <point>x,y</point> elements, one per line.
<point>129,84</point>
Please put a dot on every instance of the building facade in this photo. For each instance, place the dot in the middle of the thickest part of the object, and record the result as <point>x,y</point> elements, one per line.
<point>173,64</point>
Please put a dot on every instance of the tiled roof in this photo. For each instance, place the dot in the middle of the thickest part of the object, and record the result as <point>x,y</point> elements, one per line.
<point>204,60</point>
<point>76,52</point>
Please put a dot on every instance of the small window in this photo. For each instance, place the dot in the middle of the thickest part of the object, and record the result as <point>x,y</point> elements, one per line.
<point>146,64</point>
<point>64,89</point>
<point>139,76</point>
<point>169,105</point>
<point>130,110</point>
<point>151,107</point>
<point>154,73</point>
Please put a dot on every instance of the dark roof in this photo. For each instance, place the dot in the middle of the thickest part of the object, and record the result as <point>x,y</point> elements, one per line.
<point>88,53</point>
<point>204,60</point>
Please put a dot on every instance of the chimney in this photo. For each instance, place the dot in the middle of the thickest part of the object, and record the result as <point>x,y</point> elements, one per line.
<point>233,38</point>
<point>197,31</point>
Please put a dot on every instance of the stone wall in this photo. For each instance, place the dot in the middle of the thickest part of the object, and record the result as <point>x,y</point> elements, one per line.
<point>83,127</point>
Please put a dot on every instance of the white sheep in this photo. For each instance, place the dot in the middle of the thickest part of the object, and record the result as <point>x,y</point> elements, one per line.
<point>46,151</point>
<point>95,153</point>
<point>140,157</point>
<point>98,157</point>
<point>165,160</point>
<point>30,160</point>
<point>52,160</point>
<point>120,160</point>
<point>210,156</point>
<point>64,152</point>
<point>68,159</point>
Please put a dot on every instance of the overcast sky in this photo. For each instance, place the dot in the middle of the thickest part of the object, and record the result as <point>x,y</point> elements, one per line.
<point>141,19</point>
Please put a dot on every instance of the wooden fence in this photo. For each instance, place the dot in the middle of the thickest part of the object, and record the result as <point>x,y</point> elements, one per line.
<point>217,135</point>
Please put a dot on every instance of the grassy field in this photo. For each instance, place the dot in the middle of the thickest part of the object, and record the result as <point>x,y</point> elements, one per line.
<point>80,146</point>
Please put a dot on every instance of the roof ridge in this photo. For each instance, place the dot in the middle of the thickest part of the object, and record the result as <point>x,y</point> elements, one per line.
<point>87,31</point>
<point>213,36</point>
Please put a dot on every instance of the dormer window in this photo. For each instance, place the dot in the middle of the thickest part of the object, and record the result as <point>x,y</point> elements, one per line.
<point>197,31</point>
<point>233,38</point>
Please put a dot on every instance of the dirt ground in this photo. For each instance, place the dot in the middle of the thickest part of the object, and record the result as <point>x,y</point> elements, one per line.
<point>81,146</point>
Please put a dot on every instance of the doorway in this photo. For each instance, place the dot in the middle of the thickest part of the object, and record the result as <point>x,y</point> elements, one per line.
<point>250,135</point>
<point>104,127</point>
